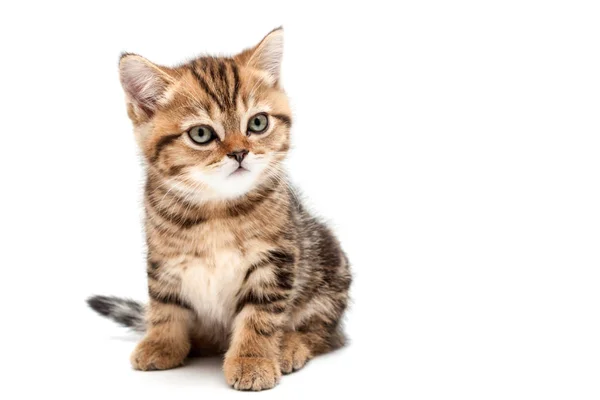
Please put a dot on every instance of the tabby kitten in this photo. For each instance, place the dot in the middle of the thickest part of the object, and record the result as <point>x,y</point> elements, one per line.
<point>236,265</point>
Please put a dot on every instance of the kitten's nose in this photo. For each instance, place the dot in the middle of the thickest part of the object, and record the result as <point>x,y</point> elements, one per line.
<point>238,155</point>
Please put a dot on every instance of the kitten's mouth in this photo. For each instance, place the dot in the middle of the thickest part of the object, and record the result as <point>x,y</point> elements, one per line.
<point>239,171</point>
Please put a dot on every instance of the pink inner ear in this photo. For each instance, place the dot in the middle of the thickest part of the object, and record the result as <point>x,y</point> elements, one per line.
<point>142,83</point>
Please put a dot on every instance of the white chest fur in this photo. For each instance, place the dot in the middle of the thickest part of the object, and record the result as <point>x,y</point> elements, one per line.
<point>210,284</point>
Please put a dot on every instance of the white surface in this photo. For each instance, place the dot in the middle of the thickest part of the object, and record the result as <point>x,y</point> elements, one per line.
<point>454,146</point>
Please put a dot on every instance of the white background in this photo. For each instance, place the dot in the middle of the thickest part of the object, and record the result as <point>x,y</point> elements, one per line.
<point>454,146</point>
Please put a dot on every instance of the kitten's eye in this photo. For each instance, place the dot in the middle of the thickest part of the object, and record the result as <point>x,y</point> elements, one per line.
<point>202,134</point>
<point>258,123</point>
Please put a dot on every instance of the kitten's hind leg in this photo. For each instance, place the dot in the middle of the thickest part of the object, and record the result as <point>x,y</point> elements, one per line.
<point>167,341</point>
<point>312,339</point>
<point>294,352</point>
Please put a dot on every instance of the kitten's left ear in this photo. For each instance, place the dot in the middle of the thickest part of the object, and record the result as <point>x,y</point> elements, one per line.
<point>267,55</point>
<point>144,83</point>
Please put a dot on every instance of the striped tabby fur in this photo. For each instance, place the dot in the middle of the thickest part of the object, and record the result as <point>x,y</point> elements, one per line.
<point>236,265</point>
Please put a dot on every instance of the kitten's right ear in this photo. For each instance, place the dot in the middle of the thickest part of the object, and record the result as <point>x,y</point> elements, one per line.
<point>267,55</point>
<point>144,83</point>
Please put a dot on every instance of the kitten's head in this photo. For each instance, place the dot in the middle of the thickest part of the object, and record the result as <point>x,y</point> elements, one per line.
<point>213,128</point>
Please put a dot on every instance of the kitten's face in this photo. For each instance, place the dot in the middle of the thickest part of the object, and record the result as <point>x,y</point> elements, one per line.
<point>214,128</point>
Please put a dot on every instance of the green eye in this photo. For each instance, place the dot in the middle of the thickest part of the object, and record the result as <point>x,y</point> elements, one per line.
<point>202,134</point>
<point>258,123</point>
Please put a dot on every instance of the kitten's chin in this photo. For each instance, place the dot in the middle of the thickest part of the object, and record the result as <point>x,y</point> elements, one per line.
<point>231,186</point>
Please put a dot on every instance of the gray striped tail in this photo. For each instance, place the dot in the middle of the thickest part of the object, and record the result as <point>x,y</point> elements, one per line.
<point>125,312</point>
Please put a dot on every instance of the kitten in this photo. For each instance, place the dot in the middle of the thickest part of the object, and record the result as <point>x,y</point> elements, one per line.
<point>236,265</point>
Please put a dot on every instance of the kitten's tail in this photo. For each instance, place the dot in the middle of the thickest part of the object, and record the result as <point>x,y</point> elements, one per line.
<point>128,313</point>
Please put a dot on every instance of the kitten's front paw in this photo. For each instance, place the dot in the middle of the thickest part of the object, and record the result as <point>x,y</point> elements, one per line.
<point>152,354</point>
<point>251,373</point>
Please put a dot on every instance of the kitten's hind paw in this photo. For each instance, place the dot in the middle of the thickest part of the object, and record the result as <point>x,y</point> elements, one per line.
<point>150,355</point>
<point>294,353</point>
